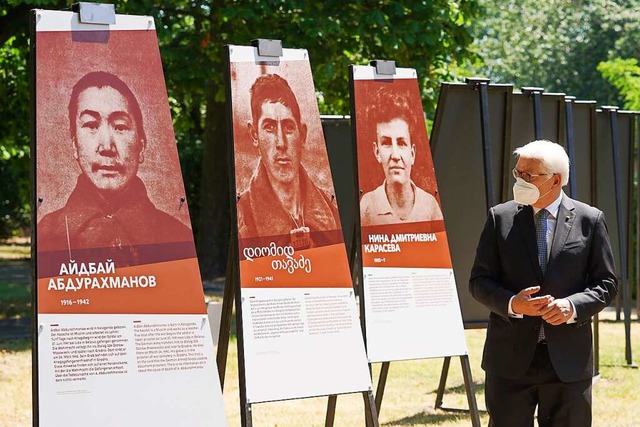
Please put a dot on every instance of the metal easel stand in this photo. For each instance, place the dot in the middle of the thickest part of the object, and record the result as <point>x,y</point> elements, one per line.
<point>469,389</point>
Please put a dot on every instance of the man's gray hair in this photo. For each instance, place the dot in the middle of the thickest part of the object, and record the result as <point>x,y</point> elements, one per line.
<point>553,157</point>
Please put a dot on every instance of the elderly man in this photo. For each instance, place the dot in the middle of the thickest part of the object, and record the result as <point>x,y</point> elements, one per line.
<point>109,206</point>
<point>398,199</point>
<point>282,202</point>
<point>543,267</point>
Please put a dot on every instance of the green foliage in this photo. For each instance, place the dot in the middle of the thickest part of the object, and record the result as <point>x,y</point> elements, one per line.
<point>14,139</point>
<point>431,36</point>
<point>557,44</point>
<point>15,193</point>
<point>624,75</point>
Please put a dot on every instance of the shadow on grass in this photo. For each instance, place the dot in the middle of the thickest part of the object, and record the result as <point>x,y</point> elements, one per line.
<point>460,389</point>
<point>423,419</point>
<point>13,345</point>
<point>15,300</point>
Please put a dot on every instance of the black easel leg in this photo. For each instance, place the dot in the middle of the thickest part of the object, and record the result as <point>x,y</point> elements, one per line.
<point>371,415</point>
<point>331,411</point>
<point>245,407</point>
<point>247,419</point>
<point>443,381</point>
<point>596,346</point>
<point>470,389</point>
<point>382,382</point>
<point>225,319</point>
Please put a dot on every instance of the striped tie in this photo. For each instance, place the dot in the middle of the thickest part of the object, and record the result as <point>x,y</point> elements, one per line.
<point>541,237</point>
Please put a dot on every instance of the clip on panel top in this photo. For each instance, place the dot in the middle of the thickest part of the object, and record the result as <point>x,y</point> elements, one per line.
<point>267,47</point>
<point>474,81</point>
<point>95,13</point>
<point>384,67</point>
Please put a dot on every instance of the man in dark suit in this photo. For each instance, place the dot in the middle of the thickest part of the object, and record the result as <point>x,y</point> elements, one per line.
<point>543,267</point>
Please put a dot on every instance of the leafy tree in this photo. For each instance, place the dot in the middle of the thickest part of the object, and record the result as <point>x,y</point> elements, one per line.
<point>557,44</point>
<point>432,36</point>
<point>14,128</point>
<point>624,75</point>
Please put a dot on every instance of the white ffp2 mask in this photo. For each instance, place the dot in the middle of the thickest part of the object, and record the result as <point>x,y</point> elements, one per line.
<point>527,193</point>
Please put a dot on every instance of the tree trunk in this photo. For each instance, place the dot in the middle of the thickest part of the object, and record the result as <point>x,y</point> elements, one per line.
<point>213,230</point>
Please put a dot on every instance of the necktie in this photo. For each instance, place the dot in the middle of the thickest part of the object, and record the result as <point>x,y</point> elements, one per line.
<point>541,237</point>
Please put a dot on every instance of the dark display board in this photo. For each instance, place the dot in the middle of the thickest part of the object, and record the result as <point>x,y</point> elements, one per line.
<point>523,128</point>
<point>337,134</point>
<point>584,135</point>
<point>626,131</point>
<point>456,145</point>
<point>605,182</point>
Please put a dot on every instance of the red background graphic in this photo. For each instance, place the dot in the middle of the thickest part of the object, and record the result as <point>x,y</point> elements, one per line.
<point>371,175</point>
<point>178,290</point>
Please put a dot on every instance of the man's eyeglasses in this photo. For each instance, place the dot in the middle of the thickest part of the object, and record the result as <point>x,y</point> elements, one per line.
<point>526,176</point>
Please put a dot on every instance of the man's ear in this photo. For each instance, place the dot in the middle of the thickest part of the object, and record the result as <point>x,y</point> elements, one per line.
<point>376,152</point>
<point>557,179</point>
<point>74,146</point>
<point>413,154</point>
<point>143,146</point>
<point>303,133</point>
<point>253,132</point>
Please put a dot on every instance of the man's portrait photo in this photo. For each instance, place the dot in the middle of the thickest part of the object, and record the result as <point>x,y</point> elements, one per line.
<point>109,206</point>
<point>283,194</point>
<point>395,139</point>
<point>108,176</point>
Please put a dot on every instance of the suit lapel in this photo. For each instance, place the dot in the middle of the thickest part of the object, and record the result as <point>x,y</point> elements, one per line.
<point>524,219</point>
<point>564,221</point>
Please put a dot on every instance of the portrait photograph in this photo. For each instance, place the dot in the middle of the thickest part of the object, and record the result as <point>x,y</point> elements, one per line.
<point>395,170</point>
<point>284,188</point>
<point>108,178</point>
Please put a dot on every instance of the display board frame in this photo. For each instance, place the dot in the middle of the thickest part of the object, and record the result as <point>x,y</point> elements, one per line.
<point>619,131</point>
<point>233,285</point>
<point>91,321</point>
<point>392,87</point>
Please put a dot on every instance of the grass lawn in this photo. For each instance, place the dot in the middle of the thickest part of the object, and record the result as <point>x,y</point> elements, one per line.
<point>15,300</point>
<point>15,294</point>
<point>408,400</point>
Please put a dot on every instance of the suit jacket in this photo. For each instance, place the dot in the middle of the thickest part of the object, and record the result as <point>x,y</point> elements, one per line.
<point>580,268</point>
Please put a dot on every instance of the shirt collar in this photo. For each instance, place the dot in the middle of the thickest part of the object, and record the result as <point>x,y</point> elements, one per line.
<point>553,207</point>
